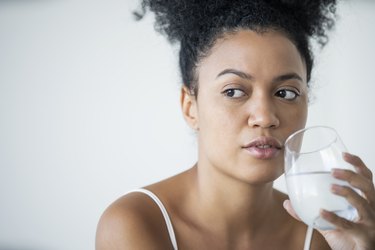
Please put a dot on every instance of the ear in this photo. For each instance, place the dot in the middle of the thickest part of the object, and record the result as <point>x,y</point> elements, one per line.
<point>189,108</point>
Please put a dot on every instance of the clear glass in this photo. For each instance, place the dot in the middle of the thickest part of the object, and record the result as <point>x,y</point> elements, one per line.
<point>310,155</point>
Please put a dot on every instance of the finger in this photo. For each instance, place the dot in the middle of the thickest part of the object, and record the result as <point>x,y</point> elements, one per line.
<point>354,199</point>
<point>288,207</point>
<point>336,220</point>
<point>365,185</point>
<point>359,165</point>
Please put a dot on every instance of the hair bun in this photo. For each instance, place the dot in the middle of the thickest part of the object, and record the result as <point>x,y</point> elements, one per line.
<point>185,18</point>
<point>180,18</point>
<point>315,17</point>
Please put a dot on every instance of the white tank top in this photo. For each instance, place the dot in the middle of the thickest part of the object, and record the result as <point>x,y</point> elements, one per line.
<point>171,233</point>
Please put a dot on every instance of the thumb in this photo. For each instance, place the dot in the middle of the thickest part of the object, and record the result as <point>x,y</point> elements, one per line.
<point>288,207</point>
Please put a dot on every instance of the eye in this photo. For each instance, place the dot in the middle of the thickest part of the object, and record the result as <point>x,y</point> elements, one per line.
<point>234,93</point>
<point>287,94</point>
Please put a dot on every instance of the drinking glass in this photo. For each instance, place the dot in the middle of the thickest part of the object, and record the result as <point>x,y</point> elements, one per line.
<point>310,156</point>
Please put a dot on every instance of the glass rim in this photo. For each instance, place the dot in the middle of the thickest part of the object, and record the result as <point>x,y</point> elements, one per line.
<point>303,130</point>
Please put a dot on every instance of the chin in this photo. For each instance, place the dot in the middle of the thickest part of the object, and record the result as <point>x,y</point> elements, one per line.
<point>261,173</point>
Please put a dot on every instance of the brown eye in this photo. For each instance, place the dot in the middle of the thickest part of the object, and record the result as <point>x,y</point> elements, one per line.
<point>234,93</point>
<point>287,94</point>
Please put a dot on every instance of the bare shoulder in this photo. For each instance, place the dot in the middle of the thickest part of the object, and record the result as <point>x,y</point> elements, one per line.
<point>132,222</point>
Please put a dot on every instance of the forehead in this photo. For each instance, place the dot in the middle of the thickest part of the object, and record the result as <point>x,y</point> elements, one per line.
<point>261,54</point>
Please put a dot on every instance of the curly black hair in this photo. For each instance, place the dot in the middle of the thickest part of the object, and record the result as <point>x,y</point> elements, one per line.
<point>197,24</point>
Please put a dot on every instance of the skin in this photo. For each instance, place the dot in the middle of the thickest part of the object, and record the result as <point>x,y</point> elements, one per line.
<point>251,85</point>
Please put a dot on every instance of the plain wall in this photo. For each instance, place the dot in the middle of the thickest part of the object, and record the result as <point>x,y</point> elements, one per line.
<point>89,109</point>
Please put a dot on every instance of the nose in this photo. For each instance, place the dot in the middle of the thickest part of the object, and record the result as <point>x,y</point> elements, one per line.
<point>262,112</point>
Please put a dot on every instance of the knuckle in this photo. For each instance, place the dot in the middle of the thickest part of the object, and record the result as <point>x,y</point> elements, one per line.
<point>345,224</point>
<point>366,173</point>
<point>358,160</point>
<point>346,191</point>
<point>350,175</point>
<point>368,187</point>
<point>363,205</point>
<point>370,174</point>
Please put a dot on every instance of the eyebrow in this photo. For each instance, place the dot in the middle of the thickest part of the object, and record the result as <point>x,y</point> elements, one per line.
<point>281,78</point>
<point>235,72</point>
<point>288,76</point>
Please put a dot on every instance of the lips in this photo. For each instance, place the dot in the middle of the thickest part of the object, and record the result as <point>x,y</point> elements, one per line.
<point>264,148</point>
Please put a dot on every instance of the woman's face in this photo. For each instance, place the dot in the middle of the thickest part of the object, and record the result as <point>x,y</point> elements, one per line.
<point>252,96</point>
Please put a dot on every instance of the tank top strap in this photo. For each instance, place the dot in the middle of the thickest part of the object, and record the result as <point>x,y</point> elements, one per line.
<point>171,233</point>
<point>308,238</point>
<point>163,211</point>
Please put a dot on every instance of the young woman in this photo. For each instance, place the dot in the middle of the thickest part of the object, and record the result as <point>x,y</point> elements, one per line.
<point>245,66</point>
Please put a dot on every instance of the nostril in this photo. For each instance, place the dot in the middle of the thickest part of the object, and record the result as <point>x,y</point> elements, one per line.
<point>265,123</point>
<point>262,112</point>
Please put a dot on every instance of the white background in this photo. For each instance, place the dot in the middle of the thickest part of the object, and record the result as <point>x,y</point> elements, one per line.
<point>89,109</point>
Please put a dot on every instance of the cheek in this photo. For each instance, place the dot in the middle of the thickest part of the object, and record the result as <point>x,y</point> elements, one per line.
<point>218,127</point>
<point>295,118</point>
<point>215,122</point>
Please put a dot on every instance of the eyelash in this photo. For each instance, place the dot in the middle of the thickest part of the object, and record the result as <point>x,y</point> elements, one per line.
<point>294,92</point>
<point>233,90</point>
<point>282,93</point>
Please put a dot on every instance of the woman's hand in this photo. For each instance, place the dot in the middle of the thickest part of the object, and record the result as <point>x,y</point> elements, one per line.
<point>359,234</point>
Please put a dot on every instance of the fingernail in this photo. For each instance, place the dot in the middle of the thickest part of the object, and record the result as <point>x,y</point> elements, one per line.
<point>324,213</point>
<point>335,188</point>
<point>285,203</point>
<point>336,172</point>
<point>346,154</point>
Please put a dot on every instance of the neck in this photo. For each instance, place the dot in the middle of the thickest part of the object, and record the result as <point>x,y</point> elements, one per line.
<point>234,206</point>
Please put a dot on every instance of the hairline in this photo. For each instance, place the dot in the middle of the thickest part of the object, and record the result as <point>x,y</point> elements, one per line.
<point>225,34</point>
